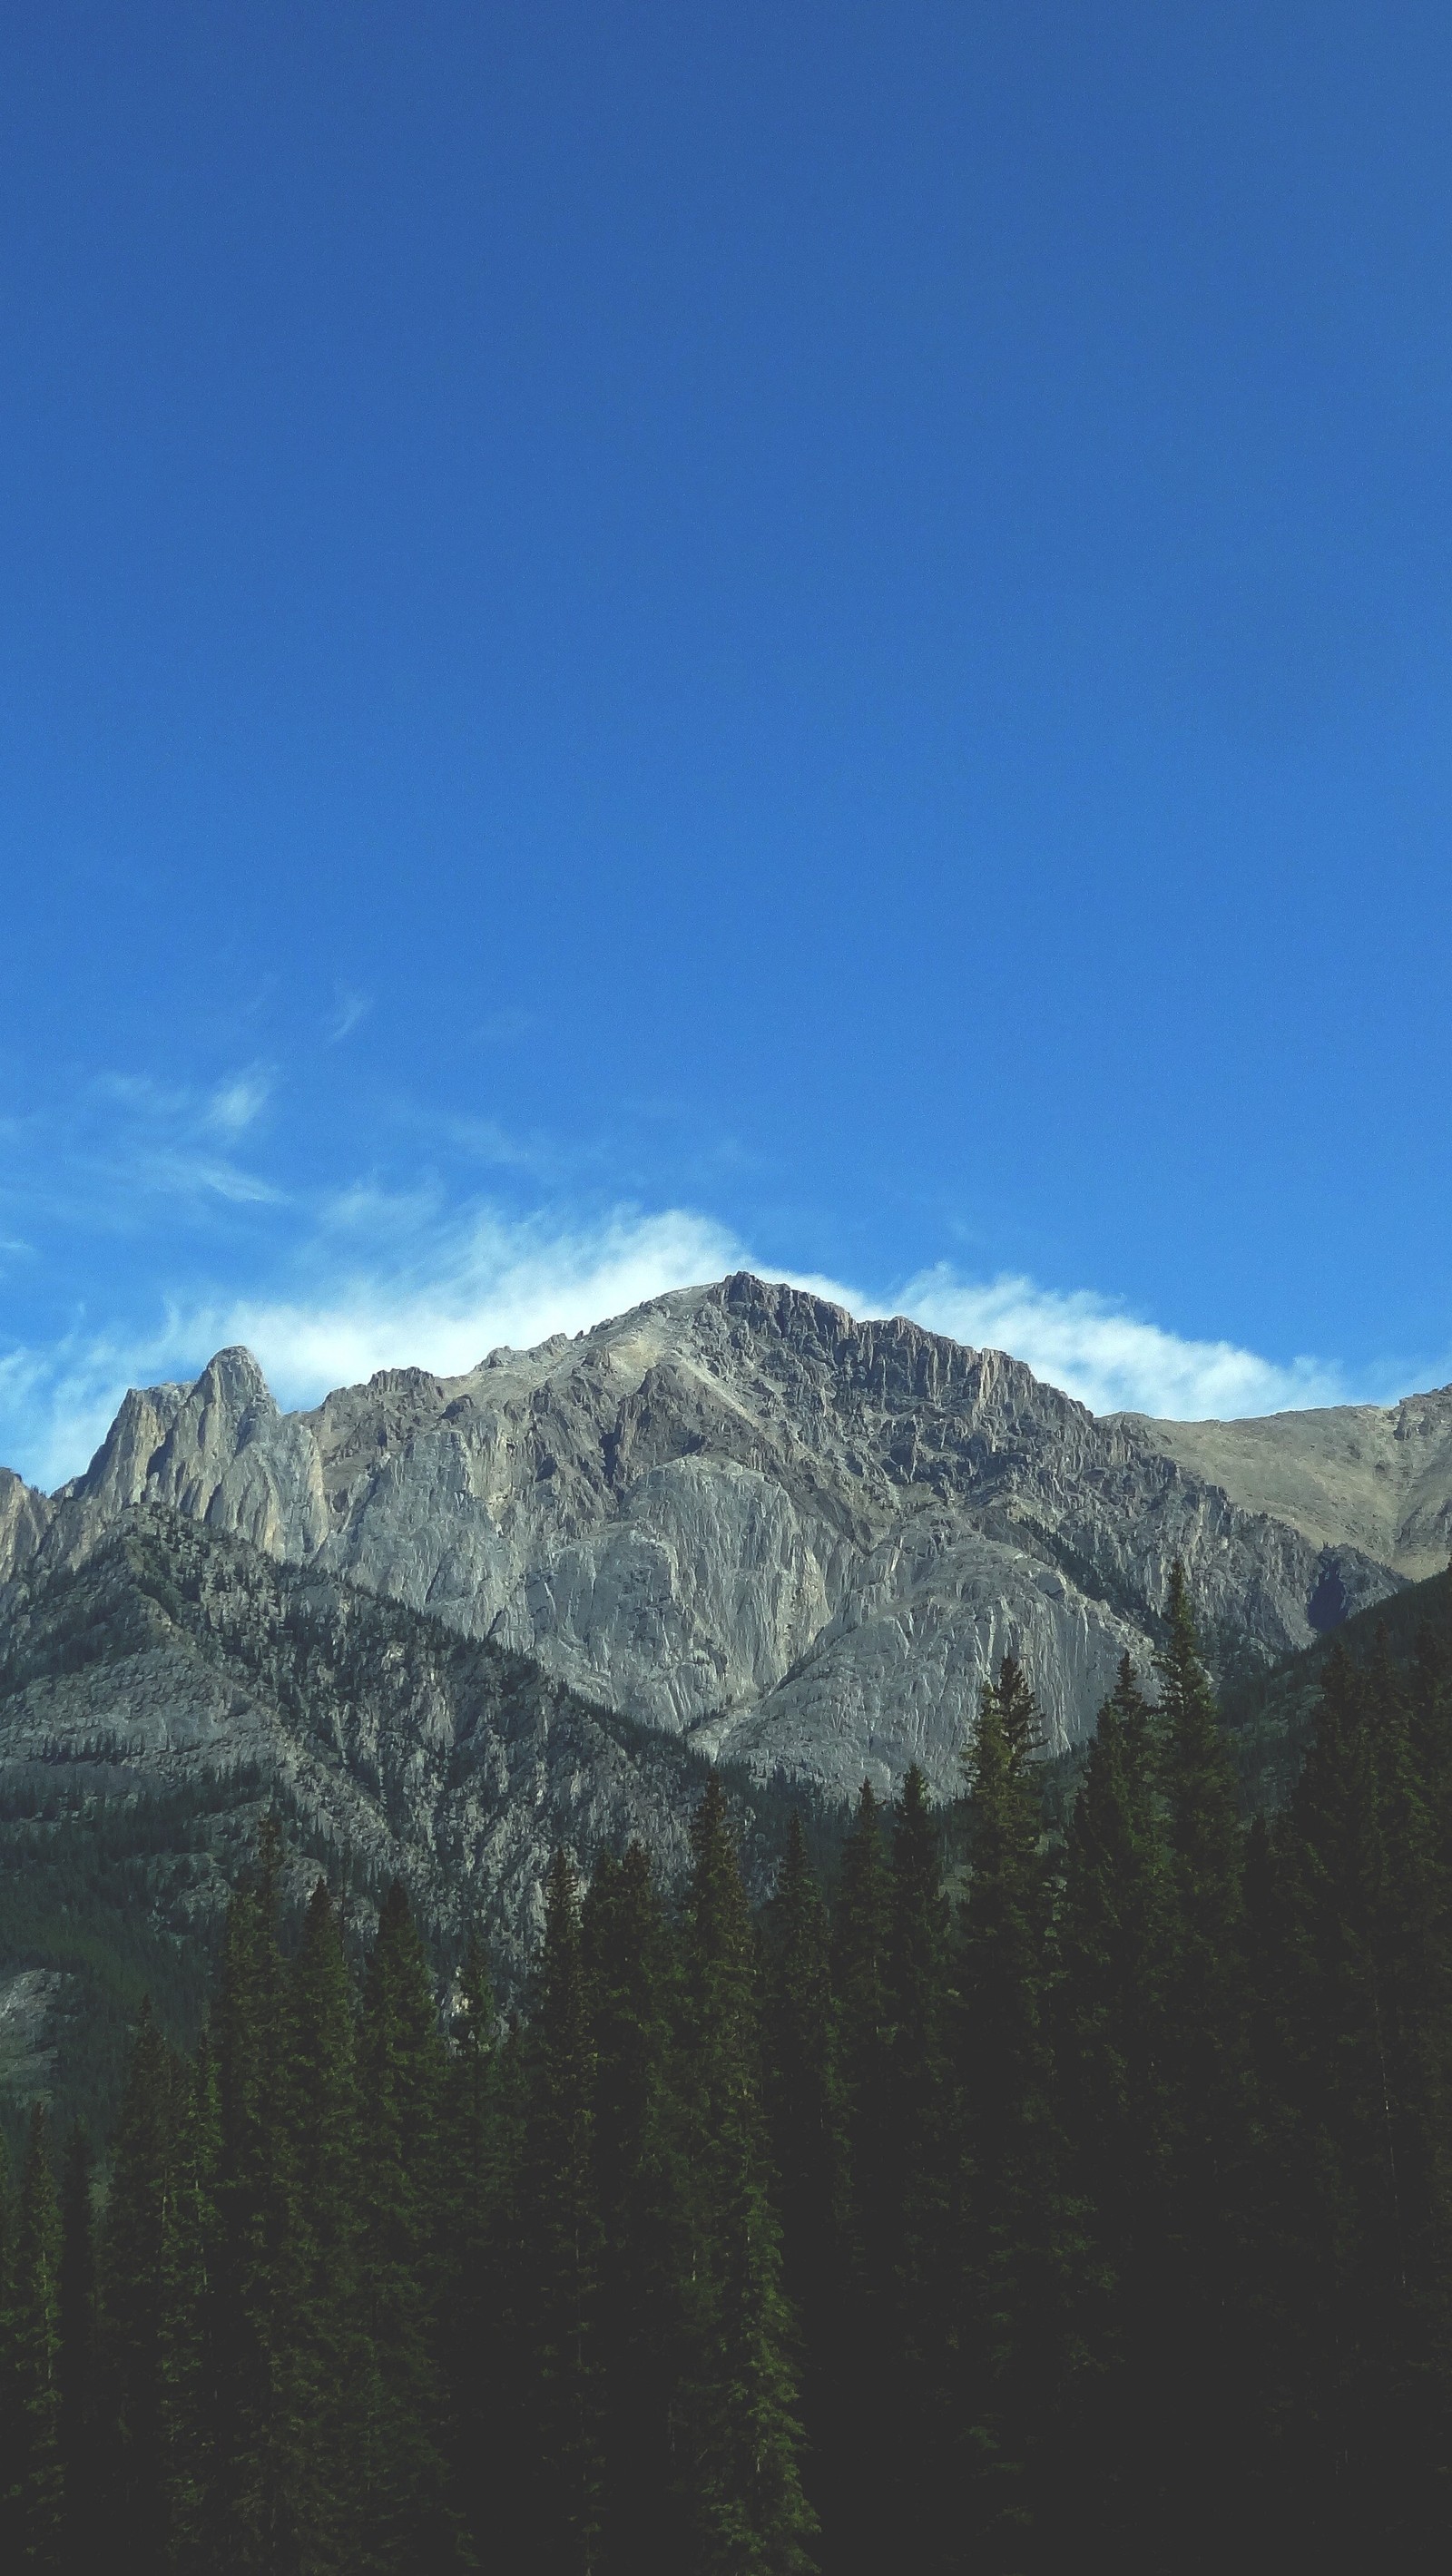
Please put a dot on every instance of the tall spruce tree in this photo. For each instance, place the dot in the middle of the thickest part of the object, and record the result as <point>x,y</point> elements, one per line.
<point>562,2245</point>
<point>638,2335</point>
<point>78,2326</point>
<point>187,2323</point>
<point>741,2433</point>
<point>1364,2288</point>
<point>1206,2423</point>
<point>804,2110</point>
<point>34,2497</point>
<point>413,2529</point>
<point>333,2359</point>
<point>253,2493</point>
<point>478,2343</point>
<point>918,2133</point>
<point>1113,1939</point>
<point>860,2523</point>
<point>132,2343</point>
<point>1024,2257</point>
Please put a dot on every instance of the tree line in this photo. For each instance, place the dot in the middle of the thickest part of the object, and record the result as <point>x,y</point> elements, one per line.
<point>1090,2196</point>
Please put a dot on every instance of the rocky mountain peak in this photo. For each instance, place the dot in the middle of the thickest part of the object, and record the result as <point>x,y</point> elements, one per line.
<point>740,1514</point>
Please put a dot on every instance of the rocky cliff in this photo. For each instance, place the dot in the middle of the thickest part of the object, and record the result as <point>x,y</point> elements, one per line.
<point>177,1668</point>
<point>750,1521</point>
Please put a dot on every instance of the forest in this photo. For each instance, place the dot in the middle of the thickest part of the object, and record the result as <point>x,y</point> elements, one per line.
<point>1080,2193</point>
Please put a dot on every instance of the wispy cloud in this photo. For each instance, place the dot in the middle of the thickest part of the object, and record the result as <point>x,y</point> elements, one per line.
<point>349,1010</point>
<point>471,1285</point>
<point>234,1105</point>
<point>1111,1359</point>
<point>387,1278</point>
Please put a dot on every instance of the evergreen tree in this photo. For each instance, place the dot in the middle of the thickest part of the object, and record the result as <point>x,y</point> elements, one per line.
<point>253,2494</point>
<point>333,2360</point>
<point>804,2111</point>
<point>1364,2199</point>
<point>187,2325</point>
<point>78,2327</point>
<point>131,2355</point>
<point>638,2322</point>
<point>918,2155</point>
<point>860,2522</point>
<point>1206,2420</point>
<point>1023,2244</point>
<point>742,2438</point>
<point>403,2073</point>
<point>1114,1936</point>
<point>562,2245</point>
<point>479,2343</point>
<point>33,2465</point>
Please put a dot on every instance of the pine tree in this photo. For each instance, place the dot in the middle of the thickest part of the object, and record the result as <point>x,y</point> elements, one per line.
<point>78,2330</point>
<point>403,2074</point>
<point>742,2437</point>
<point>804,2112</point>
<point>1023,2241</point>
<point>131,2353</point>
<point>1364,2197</point>
<point>918,2157</point>
<point>562,2245</point>
<point>478,2344</point>
<point>253,2494</point>
<point>1113,1936</point>
<point>34,2474</point>
<point>637,2196</point>
<point>187,2325</point>
<point>1206,2346</point>
<point>333,2361</point>
<point>860,2521</point>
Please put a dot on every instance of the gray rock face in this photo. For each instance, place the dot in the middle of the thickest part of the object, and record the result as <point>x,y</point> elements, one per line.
<point>747,1519</point>
<point>176,1660</point>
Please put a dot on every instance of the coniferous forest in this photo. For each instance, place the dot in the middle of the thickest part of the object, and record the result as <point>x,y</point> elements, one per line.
<point>1083,2199</point>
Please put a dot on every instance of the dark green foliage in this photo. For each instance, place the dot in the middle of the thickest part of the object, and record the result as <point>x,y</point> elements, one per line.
<point>1024,2253</point>
<point>740,2432</point>
<point>804,2111</point>
<point>403,2176</point>
<point>911,2261</point>
<point>1359,2245</point>
<point>332,2357</point>
<point>562,2242</point>
<point>257,2254</point>
<point>32,2486</point>
<point>1112,2049</point>
<point>1107,2217</point>
<point>131,2460</point>
<point>638,2309</point>
<point>78,2327</point>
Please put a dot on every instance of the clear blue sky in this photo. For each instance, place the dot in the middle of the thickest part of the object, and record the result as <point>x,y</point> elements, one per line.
<point>634,635</point>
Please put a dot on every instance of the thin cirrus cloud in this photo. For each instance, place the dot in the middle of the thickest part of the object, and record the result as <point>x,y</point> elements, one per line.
<point>395,1281</point>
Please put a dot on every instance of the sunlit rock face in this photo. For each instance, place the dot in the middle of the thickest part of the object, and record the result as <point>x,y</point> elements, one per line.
<point>745,1518</point>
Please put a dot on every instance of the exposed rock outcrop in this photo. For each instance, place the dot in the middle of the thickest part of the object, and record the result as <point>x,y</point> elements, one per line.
<point>745,1518</point>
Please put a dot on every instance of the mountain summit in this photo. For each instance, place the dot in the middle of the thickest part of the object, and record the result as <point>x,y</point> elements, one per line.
<point>743,1517</point>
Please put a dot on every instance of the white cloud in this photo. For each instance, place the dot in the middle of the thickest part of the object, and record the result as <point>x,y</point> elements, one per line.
<point>349,1008</point>
<point>469,1287</point>
<point>234,1105</point>
<point>1113,1361</point>
<point>494,1281</point>
<point>392,1279</point>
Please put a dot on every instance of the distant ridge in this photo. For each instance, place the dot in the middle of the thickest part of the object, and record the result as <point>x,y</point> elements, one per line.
<point>743,1518</point>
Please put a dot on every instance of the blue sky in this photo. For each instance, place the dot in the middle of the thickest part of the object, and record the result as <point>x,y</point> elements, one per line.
<point>640,637</point>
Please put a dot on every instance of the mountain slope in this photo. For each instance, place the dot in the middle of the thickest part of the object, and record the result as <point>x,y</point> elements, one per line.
<point>177,1662</point>
<point>742,1517</point>
<point>1377,1476</point>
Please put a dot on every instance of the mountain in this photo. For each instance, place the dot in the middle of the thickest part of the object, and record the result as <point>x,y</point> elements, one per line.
<point>786,1537</point>
<point>156,1700</point>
